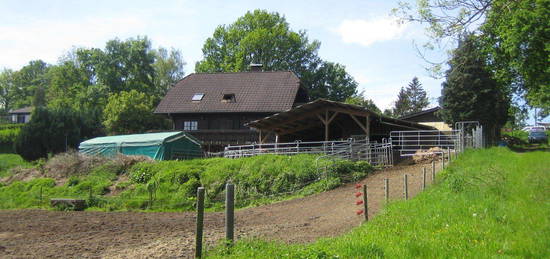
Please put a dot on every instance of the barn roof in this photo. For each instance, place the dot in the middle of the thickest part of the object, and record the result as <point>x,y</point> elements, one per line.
<point>251,92</point>
<point>311,109</point>
<point>415,114</point>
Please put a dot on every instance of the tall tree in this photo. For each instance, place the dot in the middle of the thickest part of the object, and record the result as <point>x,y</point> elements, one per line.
<point>470,92</point>
<point>168,69</point>
<point>515,35</point>
<point>7,90</point>
<point>263,37</point>
<point>417,96</point>
<point>403,104</point>
<point>28,80</point>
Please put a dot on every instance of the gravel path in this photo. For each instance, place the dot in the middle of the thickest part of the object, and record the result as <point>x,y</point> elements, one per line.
<point>40,233</point>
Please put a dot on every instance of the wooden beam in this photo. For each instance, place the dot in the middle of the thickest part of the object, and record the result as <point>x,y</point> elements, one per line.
<point>360,124</point>
<point>321,118</point>
<point>265,137</point>
<point>332,117</point>
<point>327,123</point>
<point>368,127</point>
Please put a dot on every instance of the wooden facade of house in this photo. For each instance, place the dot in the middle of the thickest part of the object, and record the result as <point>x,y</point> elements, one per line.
<point>214,107</point>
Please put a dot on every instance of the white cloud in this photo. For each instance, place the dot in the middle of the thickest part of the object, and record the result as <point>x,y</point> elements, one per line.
<point>367,32</point>
<point>48,40</point>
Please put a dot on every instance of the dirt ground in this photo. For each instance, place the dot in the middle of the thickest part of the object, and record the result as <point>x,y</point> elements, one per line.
<point>40,233</point>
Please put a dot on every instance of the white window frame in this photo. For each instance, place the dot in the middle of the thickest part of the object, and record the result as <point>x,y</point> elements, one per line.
<point>190,125</point>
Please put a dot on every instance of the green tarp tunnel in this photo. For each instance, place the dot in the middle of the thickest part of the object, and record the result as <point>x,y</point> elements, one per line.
<point>159,146</point>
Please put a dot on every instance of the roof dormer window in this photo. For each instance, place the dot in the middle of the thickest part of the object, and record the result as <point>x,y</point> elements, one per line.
<point>228,98</point>
<point>197,97</point>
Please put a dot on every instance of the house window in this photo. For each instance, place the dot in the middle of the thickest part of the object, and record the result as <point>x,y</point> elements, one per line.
<point>228,98</point>
<point>197,97</point>
<point>190,125</point>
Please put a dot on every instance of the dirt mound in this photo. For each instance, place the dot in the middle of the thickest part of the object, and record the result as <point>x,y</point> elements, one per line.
<point>62,166</point>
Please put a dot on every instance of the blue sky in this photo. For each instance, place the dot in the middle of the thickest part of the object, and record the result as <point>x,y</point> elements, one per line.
<point>376,51</point>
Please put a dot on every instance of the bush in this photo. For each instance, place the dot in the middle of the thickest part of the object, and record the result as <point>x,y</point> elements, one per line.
<point>52,131</point>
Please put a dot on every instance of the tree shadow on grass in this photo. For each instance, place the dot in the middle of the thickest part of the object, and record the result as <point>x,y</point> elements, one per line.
<point>529,148</point>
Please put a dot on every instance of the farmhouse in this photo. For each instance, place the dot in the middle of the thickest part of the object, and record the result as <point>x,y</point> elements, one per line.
<point>428,117</point>
<point>22,115</point>
<point>214,107</point>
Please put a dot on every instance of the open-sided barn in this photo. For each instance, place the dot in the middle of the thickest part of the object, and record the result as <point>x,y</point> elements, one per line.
<point>324,120</point>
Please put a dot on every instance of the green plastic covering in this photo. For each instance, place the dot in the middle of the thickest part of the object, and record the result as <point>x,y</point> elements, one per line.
<point>159,146</point>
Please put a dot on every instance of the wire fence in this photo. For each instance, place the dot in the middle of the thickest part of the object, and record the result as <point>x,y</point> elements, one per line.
<point>377,154</point>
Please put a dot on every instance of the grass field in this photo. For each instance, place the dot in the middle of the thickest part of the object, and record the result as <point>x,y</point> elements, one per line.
<point>488,203</point>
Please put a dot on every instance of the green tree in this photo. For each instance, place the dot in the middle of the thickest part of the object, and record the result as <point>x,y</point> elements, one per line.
<point>402,105</point>
<point>417,96</point>
<point>515,35</point>
<point>28,80</point>
<point>168,69</point>
<point>331,81</point>
<point>360,100</point>
<point>470,92</point>
<point>266,38</point>
<point>131,112</point>
<point>7,89</point>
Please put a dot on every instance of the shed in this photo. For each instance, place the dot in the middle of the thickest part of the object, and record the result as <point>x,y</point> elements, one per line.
<point>159,146</point>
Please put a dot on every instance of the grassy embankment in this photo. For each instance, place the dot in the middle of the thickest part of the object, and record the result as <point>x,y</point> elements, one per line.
<point>488,203</point>
<point>172,185</point>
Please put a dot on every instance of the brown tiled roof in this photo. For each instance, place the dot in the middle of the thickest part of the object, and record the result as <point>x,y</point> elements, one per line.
<point>254,92</point>
<point>27,109</point>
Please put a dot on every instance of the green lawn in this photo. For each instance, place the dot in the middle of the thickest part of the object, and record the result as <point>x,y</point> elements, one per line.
<point>488,203</point>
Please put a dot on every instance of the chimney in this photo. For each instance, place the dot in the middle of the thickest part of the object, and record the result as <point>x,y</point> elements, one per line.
<point>256,67</point>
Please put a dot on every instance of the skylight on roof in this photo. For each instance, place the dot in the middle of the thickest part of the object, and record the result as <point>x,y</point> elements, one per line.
<point>197,97</point>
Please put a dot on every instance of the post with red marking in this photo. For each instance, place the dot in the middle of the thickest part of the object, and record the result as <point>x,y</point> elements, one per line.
<point>365,202</point>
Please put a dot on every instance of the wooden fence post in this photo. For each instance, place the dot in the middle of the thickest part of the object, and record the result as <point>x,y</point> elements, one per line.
<point>443,160</point>
<point>365,202</point>
<point>405,187</point>
<point>40,197</point>
<point>423,178</point>
<point>229,213</point>
<point>200,221</point>
<point>433,171</point>
<point>387,189</point>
